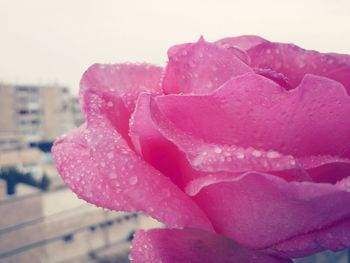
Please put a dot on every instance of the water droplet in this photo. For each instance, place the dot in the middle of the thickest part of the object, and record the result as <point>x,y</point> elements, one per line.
<point>292,162</point>
<point>256,153</point>
<point>217,149</point>
<point>240,155</point>
<point>133,180</point>
<point>272,154</point>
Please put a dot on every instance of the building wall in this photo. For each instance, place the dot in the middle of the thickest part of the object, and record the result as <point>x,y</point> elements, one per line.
<point>15,230</point>
<point>21,159</point>
<point>28,112</point>
<point>57,116</point>
<point>56,226</point>
<point>11,141</point>
<point>3,190</point>
<point>7,113</point>
<point>78,117</point>
<point>37,113</point>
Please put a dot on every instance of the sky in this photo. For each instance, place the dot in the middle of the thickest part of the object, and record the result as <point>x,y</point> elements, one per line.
<point>54,42</point>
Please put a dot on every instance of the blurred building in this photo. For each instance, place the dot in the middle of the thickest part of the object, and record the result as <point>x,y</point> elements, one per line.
<point>78,117</point>
<point>11,141</point>
<point>57,227</point>
<point>25,160</point>
<point>2,190</point>
<point>36,113</point>
<point>32,116</point>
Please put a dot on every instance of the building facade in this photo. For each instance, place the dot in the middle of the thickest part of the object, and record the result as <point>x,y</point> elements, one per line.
<point>37,113</point>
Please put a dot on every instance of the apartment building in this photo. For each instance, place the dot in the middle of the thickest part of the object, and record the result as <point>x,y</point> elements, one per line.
<point>36,113</point>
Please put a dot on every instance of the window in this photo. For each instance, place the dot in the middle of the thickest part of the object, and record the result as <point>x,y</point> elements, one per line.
<point>23,111</point>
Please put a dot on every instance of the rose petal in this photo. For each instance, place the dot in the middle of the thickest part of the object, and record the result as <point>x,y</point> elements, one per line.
<point>200,68</point>
<point>113,168</point>
<point>242,42</point>
<point>341,75</point>
<point>192,245</point>
<point>183,158</point>
<point>97,164</point>
<point>112,90</point>
<point>333,238</point>
<point>261,210</point>
<point>277,77</point>
<point>155,148</point>
<point>209,157</point>
<point>294,62</point>
<point>243,132</point>
<point>249,110</point>
<point>178,48</point>
<point>325,168</point>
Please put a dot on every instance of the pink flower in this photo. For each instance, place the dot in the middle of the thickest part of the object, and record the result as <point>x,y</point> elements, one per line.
<point>241,147</point>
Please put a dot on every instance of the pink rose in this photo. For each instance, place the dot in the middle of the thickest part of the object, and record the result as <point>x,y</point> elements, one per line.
<point>241,147</point>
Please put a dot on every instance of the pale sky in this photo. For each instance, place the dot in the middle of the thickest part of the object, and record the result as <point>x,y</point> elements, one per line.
<point>47,41</point>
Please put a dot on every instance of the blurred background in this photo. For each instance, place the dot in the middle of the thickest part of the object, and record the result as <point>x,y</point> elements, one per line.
<point>45,46</point>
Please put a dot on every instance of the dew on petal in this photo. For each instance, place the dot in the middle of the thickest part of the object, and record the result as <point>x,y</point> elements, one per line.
<point>272,154</point>
<point>133,180</point>
<point>256,153</point>
<point>110,155</point>
<point>292,162</point>
<point>217,150</point>
<point>240,155</point>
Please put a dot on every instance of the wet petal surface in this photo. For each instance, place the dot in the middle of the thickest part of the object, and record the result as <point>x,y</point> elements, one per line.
<point>194,246</point>
<point>252,111</point>
<point>242,42</point>
<point>112,90</point>
<point>96,160</point>
<point>213,158</point>
<point>261,210</point>
<point>155,148</point>
<point>200,68</point>
<point>295,62</point>
<point>335,238</point>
